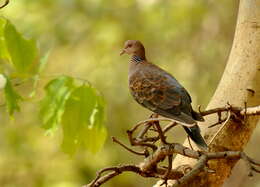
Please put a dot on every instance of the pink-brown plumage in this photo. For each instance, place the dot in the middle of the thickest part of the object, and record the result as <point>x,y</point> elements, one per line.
<point>159,91</point>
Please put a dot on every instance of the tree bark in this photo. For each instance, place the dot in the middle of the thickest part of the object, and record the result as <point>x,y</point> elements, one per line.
<point>240,83</point>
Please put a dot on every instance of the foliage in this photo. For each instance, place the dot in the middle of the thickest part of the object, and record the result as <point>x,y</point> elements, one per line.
<point>12,97</point>
<point>80,109</point>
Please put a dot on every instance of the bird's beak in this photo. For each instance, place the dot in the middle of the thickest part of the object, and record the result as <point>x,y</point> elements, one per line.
<point>122,52</point>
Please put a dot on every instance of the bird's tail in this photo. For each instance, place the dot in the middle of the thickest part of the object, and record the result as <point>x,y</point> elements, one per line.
<point>194,134</point>
<point>197,116</point>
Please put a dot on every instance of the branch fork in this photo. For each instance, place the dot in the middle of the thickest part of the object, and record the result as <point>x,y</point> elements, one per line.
<point>156,148</point>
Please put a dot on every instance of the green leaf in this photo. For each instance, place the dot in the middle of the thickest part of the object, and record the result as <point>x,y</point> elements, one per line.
<point>43,61</point>
<point>80,111</point>
<point>12,97</point>
<point>36,78</point>
<point>53,105</point>
<point>98,116</point>
<point>3,49</point>
<point>23,52</point>
<point>94,138</point>
<point>78,128</point>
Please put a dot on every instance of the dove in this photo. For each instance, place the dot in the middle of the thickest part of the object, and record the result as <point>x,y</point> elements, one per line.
<point>158,91</point>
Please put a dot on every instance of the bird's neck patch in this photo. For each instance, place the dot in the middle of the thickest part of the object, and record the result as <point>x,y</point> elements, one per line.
<point>136,59</point>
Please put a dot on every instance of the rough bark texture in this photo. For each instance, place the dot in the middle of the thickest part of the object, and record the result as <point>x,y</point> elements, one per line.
<point>240,83</point>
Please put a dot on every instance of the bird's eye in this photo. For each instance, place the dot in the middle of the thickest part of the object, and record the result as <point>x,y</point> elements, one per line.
<point>129,45</point>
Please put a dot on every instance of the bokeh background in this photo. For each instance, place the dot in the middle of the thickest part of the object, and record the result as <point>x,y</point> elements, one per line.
<point>189,38</point>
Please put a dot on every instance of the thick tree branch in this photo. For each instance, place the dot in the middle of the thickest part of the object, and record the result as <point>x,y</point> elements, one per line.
<point>240,83</point>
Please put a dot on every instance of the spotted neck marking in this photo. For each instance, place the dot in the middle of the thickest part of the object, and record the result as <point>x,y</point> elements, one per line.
<point>136,59</point>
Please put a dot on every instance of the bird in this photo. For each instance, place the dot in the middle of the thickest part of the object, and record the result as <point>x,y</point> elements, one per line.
<point>157,90</point>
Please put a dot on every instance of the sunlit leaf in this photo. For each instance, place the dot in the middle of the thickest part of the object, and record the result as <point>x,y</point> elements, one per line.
<point>94,138</point>
<point>36,78</point>
<point>3,49</point>
<point>12,98</point>
<point>3,81</point>
<point>78,127</point>
<point>23,52</point>
<point>98,116</point>
<point>53,105</point>
<point>43,62</point>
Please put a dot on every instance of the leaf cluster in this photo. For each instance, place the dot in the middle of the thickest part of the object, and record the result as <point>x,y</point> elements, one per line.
<point>76,106</point>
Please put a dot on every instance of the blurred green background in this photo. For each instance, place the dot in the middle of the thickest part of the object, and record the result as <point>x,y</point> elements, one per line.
<point>189,38</point>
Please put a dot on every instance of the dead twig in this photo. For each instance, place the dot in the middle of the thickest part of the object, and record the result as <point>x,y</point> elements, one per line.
<point>5,4</point>
<point>249,111</point>
<point>150,166</point>
<point>144,153</point>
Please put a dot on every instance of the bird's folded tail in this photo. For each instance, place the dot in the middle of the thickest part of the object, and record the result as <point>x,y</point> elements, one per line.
<point>194,134</point>
<point>197,116</point>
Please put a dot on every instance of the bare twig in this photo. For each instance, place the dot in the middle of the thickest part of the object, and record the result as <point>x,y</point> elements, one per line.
<point>144,153</point>
<point>169,126</point>
<point>144,131</point>
<point>134,142</point>
<point>195,170</point>
<point>249,111</point>
<point>165,130</point>
<point>190,142</point>
<point>160,132</point>
<point>5,4</point>
<point>99,180</point>
<point>218,123</point>
<point>150,167</point>
<point>220,129</point>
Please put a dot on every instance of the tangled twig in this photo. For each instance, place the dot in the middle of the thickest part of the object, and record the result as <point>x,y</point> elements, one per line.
<point>150,166</point>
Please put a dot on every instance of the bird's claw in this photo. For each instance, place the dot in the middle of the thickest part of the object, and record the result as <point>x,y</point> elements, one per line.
<point>165,180</point>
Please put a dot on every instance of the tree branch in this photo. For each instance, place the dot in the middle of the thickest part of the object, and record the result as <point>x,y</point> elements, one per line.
<point>150,166</point>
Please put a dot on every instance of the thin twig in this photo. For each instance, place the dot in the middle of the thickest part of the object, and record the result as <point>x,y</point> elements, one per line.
<point>160,119</point>
<point>134,142</point>
<point>99,180</point>
<point>149,167</point>
<point>220,129</point>
<point>144,131</point>
<point>249,111</point>
<point>168,127</point>
<point>195,170</point>
<point>190,142</point>
<point>218,123</point>
<point>160,132</point>
<point>5,4</point>
<point>144,153</point>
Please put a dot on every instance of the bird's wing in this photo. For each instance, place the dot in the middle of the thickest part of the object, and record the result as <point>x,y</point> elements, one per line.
<point>155,89</point>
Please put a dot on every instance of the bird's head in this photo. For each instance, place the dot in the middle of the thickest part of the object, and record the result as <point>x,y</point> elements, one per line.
<point>134,47</point>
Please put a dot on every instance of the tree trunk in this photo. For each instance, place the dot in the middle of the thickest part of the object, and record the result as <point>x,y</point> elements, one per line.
<point>240,83</point>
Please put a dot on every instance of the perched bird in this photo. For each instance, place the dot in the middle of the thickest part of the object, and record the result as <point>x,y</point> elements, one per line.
<point>160,92</point>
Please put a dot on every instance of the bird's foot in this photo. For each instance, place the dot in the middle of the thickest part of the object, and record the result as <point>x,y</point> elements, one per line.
<point>165,181</point>
<point>168,172</point>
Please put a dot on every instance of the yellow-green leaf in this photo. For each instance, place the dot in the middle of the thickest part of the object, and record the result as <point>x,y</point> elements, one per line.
<point>77,121</point>
<point>53,105</point>
<point>23,52</point>
<point>12,98</point>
